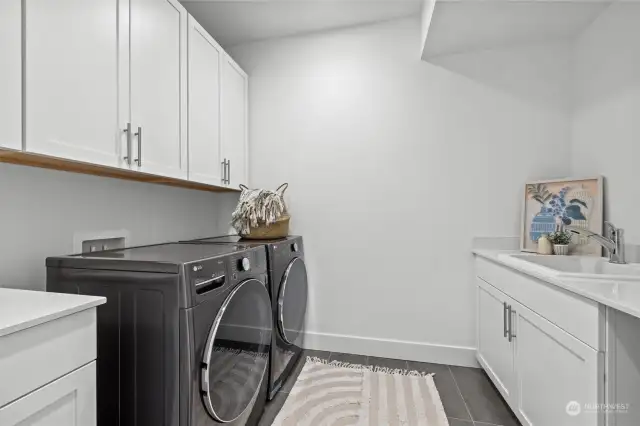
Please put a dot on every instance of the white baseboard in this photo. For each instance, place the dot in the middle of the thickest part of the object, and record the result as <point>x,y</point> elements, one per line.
<point>389,348</point>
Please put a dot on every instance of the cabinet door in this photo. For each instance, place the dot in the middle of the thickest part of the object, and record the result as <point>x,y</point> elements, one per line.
<point>68,401</point>
<point>158,86</point>
<point>554,369</point>
<point>11,74</point>
<point>235,85</point>
<point>205,57</point>
<point>495,352</point>
<point>72,79</point>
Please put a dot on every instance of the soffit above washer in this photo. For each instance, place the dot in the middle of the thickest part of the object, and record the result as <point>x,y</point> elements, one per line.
<point>233,22</point>
<point>460,26</point>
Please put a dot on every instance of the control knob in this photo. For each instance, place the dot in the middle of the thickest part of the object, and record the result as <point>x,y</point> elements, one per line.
<point>244,264</point>
<point>294,247</point>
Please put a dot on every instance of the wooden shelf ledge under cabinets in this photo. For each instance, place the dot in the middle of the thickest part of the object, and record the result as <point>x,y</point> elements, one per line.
<point>42,161</point>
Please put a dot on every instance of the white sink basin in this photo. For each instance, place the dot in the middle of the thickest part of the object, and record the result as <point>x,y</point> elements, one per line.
<point>582,267</point>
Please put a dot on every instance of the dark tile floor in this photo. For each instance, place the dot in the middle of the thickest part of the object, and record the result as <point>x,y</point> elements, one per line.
<point>468,396</point>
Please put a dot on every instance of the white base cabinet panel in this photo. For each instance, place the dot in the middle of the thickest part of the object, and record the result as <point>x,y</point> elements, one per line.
<point>11,74</point>
<point>495,352</point>
<point>68,401</point>
<point>554,370</point>
<point>39,355</point>
<point>623,369</point>
<point>546,375</point>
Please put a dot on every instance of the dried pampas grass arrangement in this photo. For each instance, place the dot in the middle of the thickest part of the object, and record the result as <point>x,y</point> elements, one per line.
<point>258,208</point>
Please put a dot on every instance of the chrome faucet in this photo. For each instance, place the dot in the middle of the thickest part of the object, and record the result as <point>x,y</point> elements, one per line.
<point>613,241</point>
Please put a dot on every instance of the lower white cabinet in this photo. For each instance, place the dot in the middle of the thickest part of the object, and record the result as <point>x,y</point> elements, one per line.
<point>68,401</point>
<point>546,375</point>
<point>554,370</point>
<point>47,359</point>
<point>495,351</point>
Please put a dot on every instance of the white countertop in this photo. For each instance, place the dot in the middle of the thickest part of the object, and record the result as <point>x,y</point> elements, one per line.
<point>20,309</point>
<point>621,295</point>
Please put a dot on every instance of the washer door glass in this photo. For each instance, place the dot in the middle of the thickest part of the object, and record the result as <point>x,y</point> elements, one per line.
<point>292,302</point>
<point>237,352</point>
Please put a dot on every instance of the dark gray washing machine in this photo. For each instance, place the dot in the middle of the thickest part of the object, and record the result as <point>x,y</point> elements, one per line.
<point>185,336</point>
<point>289,289</point>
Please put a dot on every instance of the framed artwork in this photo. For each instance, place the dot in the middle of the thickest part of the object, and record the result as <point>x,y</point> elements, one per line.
<point>551,205</point>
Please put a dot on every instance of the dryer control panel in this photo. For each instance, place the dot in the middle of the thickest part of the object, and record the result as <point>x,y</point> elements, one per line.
<point>251,262</point>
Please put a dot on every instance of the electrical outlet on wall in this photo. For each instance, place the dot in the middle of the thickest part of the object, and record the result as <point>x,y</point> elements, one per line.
<point>102,244</point>
<point>88,242</point>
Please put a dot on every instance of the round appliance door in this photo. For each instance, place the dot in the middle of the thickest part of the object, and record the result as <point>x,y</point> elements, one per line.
<point>236,355</point>
<point>292,302</point>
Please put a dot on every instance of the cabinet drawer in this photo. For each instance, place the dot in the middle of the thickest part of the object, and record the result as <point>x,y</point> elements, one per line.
<point>39,355</point>
<point>580,317</point>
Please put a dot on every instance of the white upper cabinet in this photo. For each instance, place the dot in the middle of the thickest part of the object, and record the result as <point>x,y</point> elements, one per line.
<point>205,58</point>
<point>158,41</point>
<point>235,86</point>
<point>10,74</point>
<point>72,79</point>
<point>133,84</point>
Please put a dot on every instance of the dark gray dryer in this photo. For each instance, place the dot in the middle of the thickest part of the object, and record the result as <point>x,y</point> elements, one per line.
<point>185,336</point>
<point>289,292</point>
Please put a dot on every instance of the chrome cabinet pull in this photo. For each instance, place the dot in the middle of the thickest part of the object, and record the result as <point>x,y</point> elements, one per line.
<point>139,159</point>
<point>127,158</point>
<point>511,333</point>
<point>504,319</point>
<point>229,172</point>
<point>223,163</point>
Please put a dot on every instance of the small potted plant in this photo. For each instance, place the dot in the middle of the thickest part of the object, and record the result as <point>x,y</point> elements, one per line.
<point>560,241</point>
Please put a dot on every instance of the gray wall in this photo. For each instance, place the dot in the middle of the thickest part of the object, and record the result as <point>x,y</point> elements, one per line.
<point>394,165</point>
<point>605,125</point>
<point>42,210</point>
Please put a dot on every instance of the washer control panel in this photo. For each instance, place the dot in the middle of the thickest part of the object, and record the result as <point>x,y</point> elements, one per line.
<point>207,275</point>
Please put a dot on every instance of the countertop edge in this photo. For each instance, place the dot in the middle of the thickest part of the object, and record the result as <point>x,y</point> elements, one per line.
<point>571,286</point>
<point>83,306</point>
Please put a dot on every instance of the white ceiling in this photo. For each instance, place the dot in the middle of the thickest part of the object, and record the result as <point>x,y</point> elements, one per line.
<point>471,25</point>
<point>233,22</point>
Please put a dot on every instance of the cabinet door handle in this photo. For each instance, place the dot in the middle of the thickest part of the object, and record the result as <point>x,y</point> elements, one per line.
<point>139,159</point>
<point>223,179</point>
<point>139,135</point>
<point>511,333</point>
<point>504,319</point>
<point>127,158</point>
<point>229,172</point>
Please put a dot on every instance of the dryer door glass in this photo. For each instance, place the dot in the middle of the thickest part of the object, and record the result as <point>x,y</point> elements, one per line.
<point>292,302</point>
<point>237,352</point>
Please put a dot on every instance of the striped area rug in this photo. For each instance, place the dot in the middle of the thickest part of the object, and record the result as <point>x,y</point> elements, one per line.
<point>339,394</point>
